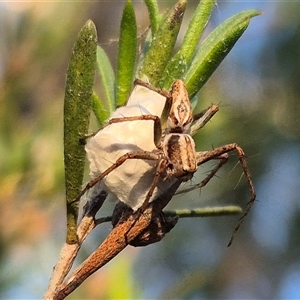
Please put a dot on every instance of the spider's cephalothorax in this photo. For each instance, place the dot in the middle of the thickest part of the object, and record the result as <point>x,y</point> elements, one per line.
<point>181,115</point>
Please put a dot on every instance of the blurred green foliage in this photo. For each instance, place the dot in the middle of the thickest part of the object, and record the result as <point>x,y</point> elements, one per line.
<point>259,110</point>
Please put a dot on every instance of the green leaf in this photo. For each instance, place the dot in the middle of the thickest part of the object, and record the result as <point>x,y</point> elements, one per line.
<point>107,77</point>
<point>162,44</point>
<point>99,111</point>
<point>153,15</point>
<point>126,55</point>
<point>77,106</point>
<point>155,18</point>
<point>215,48</point>
<point>179,63</point>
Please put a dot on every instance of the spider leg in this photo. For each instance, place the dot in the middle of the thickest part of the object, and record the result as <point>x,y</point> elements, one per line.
<point>155,119</point>
<point>130,155</point>
<point>223,159</point>
<point>169,100</point>
<point>242,160</point>
<point>152,88</point>
<point>209,155</point>
<point>202,118</point>
<point>157,125</point>
<point>159,171</point>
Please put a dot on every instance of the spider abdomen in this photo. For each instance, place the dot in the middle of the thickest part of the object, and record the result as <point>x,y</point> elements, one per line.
<point>179,150</point>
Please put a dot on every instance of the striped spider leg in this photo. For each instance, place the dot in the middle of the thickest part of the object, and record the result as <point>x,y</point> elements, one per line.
<point>221,153</point>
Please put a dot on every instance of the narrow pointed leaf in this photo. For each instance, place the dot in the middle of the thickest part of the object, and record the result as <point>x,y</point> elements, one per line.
<point>99,110</point>
<point>126,55</point>
<point>107,77</point>
<point>179,63</point>
<point>215,48</point>
<point>162,44</point>
<point>153,15</point>
<point>77,106</point>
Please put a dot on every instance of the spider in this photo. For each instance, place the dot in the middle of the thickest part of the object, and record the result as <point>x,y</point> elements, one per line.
<point>174,155</point>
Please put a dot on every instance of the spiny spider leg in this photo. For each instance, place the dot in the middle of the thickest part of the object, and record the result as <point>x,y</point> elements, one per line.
<point>241,155</point>
<point>202,118</point>
<point>223,159</point>
<point>157,126</point>
<point>168,95</point>
<point>130,155</point>
<point>156,120</point>
<point>162,165</point>
<point>202,113</point>
<point>152,88</point>
<point>135,118</point>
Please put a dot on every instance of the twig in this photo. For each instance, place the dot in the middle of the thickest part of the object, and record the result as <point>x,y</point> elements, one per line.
<point>205,211</point>
<point>69,251</point>
<point>131,228</point>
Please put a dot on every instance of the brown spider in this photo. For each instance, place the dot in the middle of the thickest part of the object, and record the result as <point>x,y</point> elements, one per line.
<point>174,154</point>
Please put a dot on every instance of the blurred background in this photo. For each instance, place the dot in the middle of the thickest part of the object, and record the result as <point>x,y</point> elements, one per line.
<point>258,89</point>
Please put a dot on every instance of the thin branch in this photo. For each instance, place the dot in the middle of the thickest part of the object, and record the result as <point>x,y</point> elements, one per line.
<point>69,251</point>
<point>205,211</point>
<point>130,229</point>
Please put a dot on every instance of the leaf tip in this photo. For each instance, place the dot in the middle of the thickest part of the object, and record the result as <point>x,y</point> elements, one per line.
<point>89,23</point>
